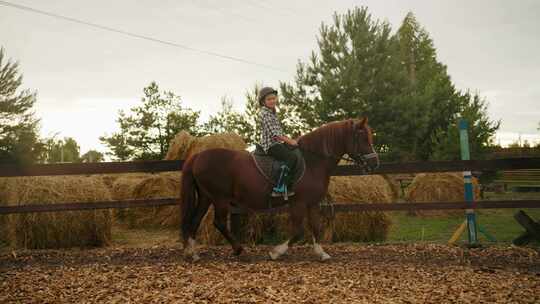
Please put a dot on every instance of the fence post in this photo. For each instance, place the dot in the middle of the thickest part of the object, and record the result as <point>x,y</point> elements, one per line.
<point>467,178</point>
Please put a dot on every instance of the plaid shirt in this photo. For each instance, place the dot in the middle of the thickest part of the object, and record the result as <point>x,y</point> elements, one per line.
<point>270,128</point>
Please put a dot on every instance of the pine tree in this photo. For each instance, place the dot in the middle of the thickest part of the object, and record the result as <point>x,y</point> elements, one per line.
<point>362,69</point>
<point>19,142</point>
<point>356,72</point>
<point>151,126</point>
<point>430,97</point>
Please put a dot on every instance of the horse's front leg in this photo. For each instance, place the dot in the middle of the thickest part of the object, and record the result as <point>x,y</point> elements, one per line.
<point>314,220</point>
<point>297,213</point>
<point>221,209</point>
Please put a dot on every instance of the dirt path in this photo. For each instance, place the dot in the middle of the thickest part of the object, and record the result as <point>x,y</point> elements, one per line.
<point>415,273</point>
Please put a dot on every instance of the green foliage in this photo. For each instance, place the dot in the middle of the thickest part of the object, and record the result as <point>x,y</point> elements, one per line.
<point>146,132</point>
<point>92,156</point>
<point>362,69</point>
<point>481,131</point>
<point>19,142</point>
<point>60,151</point>
<point>246,124</point>
<point>228,120</point>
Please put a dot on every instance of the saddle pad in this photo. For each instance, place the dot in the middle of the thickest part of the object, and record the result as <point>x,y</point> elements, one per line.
<point>270,168</point>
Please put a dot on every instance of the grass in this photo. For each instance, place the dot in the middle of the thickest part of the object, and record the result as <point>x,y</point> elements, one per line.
<point>499,223</point>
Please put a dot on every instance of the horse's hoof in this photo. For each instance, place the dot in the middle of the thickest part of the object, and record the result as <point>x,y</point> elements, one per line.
<point>325,257</point>
<point>238,251</point>
<point>273,256</point>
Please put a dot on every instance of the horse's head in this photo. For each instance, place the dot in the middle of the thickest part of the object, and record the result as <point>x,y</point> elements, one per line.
<point>359,146</point>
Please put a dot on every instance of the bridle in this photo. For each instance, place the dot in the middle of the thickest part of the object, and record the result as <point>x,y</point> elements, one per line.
<point>362,159</point>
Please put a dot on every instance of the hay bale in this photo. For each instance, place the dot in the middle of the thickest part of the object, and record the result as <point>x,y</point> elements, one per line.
<point>439,187</point>
<point>163,185</point>
<point>57,229</point>
<point>122,187</point>
<point>185,145</point>
<point>358,226</point>
<point>179,146</point>
<point>110,179</point>
<point>153,186</point>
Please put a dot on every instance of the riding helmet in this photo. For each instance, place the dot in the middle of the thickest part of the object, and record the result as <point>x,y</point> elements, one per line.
<point>265,92</point>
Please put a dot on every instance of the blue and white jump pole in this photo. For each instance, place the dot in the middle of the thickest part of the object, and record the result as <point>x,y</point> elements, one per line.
<point>467,177</point>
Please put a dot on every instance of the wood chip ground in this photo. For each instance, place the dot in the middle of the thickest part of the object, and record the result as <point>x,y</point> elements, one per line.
<point>404,273</point>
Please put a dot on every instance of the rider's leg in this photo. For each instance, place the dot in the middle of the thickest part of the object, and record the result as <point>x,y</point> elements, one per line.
<point>282,153</point>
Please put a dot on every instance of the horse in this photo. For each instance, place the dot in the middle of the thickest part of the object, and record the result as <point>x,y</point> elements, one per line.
<point>220,177</point>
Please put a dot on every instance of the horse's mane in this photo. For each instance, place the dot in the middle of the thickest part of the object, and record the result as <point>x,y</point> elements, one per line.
<point>327,140</point>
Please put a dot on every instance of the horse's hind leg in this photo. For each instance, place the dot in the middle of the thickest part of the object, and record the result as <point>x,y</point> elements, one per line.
<point>314,219</point>
<point>190,243</point>
<point>221,212</point>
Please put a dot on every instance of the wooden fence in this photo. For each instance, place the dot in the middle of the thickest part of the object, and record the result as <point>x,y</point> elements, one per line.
<point>162,166</point>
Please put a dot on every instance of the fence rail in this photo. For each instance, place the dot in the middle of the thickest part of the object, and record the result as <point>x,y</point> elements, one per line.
<point>338,207</point>
<point>176,165</point>
<point>163,165</point>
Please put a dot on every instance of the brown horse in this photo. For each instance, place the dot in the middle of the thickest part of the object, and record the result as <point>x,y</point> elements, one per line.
<point>221,177</point>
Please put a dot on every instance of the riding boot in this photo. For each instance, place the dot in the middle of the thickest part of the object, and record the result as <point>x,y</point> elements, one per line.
<point>283,183</point>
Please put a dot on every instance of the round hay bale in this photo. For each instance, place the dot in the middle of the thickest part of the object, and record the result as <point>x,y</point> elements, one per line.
<point>110,179</point>
<point>152,186</point>
<point>439,187</point>
<point>358,226</point>
<point>122,189</point>
<point>185,145</point>
<point>57,229</point>
<point>179,146</point>
<point>163,185</point>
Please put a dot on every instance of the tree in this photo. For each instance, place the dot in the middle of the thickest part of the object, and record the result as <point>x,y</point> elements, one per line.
<point>246,124</point>
<point>362,69</point>
<point>19,142</point>
<point>226,120</point>
<point>92,156</point>
<point>147,131</point>
<point>356,72</point>
<point>429,101</point>
<point>65,150</point>
<point>481,131</point>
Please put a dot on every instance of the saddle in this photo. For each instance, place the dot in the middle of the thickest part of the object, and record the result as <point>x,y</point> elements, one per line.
<point>270,167</point>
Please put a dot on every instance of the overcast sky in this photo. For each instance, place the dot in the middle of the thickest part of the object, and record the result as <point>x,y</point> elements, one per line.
<point>83,75</point>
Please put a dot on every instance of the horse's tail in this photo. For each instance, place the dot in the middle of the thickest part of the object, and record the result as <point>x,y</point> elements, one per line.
<point>189,197</point>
